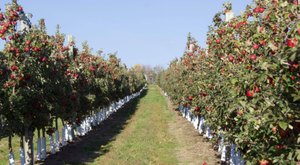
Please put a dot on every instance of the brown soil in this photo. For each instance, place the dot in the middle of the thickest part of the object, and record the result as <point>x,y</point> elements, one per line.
<point>193,149</point>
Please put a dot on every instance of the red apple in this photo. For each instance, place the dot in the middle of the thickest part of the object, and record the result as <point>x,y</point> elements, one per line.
<point>279,147</point>
<point>244,52</point>
<point>28,42</point>
<point>92,68</point>
<point>15,14</point>
<point>12,76</point>
<point>294,66</point>
<point>293,78</point>
<point>190,54</point>
<point>261,9</point>
<point>249,93</point>
<point>291,42</point>
<point>231,58</point>
<point>14,68</point>
<point>283,133</point>
<point>21,78</point>
<point>264,162</point>
<point>20,9</point>
<point>7,24</point>
<point>270,80</point>
<point>26,49</point>
<point>255,46</point>
<point>292,16</point>
<point>12,49</point>
<point>44,59</point>
<point>252,57</point>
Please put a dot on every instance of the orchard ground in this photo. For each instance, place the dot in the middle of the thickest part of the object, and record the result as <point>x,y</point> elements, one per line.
<point>16,143</point>
<point>145,131</point>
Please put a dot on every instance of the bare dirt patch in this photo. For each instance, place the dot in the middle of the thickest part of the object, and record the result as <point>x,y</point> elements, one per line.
<point>192,148</point>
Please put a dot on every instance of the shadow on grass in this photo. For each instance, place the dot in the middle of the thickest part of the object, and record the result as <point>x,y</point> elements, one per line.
<point>95,144</point>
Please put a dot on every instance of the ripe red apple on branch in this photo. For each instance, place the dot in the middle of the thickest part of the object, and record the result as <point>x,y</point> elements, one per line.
<point>253,88</point>
<point>250,94</point>
<point>39,74</point>
<point>264,162</point>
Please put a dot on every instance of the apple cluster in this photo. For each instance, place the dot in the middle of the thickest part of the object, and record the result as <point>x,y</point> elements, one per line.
<point>246,83</point>
<point>43,80</point>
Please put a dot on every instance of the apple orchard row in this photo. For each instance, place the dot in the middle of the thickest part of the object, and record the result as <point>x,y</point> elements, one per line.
<point>43,80</point>
<point>246,83</point>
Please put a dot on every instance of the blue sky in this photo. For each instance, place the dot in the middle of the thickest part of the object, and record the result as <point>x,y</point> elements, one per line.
<point>147,32</point>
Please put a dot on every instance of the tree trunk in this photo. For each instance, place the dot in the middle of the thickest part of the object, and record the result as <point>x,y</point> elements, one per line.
<point>63,134</point>
<point>22,155</point>
<point>43,143</point>
<point>52,145</point>
<point>39,146</point>
<point>72,133</point>
<point>11,154</point>
<point>57,143</point>
<point>28,147</point>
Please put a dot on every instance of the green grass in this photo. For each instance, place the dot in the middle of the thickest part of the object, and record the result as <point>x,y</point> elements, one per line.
<point>142,139</point>
<point>145,140</point>
<point>4,152</point>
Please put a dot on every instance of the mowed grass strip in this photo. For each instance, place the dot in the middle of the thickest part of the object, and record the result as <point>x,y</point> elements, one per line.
<point>4,151</point>
<point>145,140</point>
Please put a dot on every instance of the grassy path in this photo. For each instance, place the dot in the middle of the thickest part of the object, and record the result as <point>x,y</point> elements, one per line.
<point>145,131</point>
<point>146,139</point>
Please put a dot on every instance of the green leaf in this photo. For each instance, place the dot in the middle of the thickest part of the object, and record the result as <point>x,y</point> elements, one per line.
<point>243,103</point>
<point>295,97</point>
<point>264,66</point>
<point>234,80</point>
<point>283,125</point>
<point>251,109</point>
<point>293,57</point>
<point>290,156</point>
<point>272,46</point>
